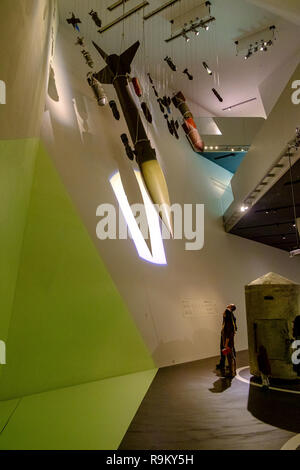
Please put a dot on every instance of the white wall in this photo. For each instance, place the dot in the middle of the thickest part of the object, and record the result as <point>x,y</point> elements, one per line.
<point>26,28</point>
<point>154,294</point>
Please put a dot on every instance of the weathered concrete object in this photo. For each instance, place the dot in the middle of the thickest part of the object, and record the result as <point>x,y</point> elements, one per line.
<point>272,304</point>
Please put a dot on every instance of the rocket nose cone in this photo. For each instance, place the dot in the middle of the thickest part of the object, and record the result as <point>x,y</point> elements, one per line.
<point>102,101</point>
<point>156,185</point>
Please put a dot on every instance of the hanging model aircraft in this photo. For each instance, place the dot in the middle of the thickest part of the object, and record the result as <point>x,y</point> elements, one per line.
<point>74,21</point>
<point>116,72</point>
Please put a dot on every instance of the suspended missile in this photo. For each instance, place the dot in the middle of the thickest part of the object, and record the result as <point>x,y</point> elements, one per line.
<point>187,73</point>
<point>114,108</point>
<point>97,89</point>
<point>170,63</point>
<point>217,95</point>
<point>116,72</point>
<point>95,18</point>
<point>188,125</point>
<point>88,58</point>
<point>171,130</point>
<point>146,112</point>
<point>207,68</point>
<point>137,87</point>
<point>150,78</point>
<point>166,101</point>
<point>159,100</point>
<point>175,126</point>
<point>128,149</point>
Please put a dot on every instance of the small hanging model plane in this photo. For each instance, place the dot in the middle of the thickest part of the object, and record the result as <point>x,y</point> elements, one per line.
<point>74,21</point>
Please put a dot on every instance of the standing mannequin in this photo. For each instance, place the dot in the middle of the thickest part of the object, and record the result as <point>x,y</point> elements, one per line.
<point>228,331</point>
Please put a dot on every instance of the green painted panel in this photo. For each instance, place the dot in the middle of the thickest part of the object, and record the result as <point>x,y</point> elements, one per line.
<point>7,408</point>
<point>69,324</point>
<point>17,158</point>
<point>85,417</point>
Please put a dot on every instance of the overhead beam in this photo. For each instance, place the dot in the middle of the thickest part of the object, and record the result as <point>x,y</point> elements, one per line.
<point>117,4</point>
<point>160,9</point>
<point>123,17</point>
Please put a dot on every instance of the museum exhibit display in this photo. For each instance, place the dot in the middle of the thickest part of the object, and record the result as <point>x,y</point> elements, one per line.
<point>272,305</point>
<point>149,227</point>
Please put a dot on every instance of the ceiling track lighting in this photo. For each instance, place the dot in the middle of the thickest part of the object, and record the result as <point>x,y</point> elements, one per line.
<point>229,108</point>
<point>117,4</point>
<point>195,25</point>
<point>258,44</point>
<point>123,17</point>
<point>185,36</point>
<point>291,150</point>
<point>227,148</point>
<point>160,9</point>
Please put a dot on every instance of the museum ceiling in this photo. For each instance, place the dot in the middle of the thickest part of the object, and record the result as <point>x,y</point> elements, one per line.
<point>236,79</point>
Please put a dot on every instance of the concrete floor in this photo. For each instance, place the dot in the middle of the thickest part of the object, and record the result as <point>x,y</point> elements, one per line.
<point>189,406</point>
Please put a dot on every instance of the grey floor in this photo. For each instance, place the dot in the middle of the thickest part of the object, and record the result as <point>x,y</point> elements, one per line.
<point>189,406</point>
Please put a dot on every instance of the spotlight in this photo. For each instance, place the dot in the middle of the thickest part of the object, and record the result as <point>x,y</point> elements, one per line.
<point>185,36</point>
<point>184,33</point>
<point>206,28</point>
<point>244,208</point>
<point>194,28</point>
<point>207,68</point>
<point>216,148</point>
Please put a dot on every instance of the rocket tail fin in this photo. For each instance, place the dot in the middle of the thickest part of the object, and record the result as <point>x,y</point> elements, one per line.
<point>101,51</point>
<point>128,56</point>
<point>104,76</point>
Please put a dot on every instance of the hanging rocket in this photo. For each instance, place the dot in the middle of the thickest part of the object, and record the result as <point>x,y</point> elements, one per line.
<point>116,72</point>
<point>188,125</point>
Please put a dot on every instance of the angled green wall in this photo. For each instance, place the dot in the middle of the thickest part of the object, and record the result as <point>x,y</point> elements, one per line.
<point>68,323</point>
<point>17,160</point>
<point>90,416</point>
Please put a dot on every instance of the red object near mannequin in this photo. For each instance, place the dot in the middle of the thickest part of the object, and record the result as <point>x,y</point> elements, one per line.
<point>226,351</point>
